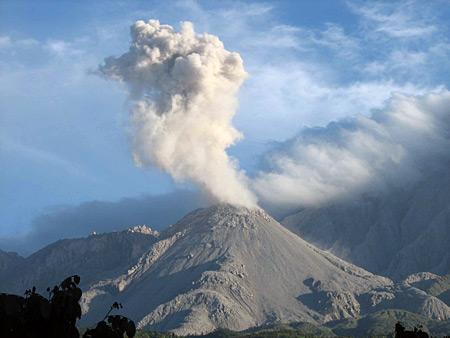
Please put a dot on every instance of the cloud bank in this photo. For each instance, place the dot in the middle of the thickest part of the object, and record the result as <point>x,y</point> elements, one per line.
<point>157,211</point>
<point>184,92</point>
<point>393,147</point>
<point>183,87</point>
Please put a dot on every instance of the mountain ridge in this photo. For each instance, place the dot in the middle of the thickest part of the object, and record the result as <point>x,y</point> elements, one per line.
<point>238,268</point>
<point>387,233</point>
<point>98,255</point>
<point>228,267</point>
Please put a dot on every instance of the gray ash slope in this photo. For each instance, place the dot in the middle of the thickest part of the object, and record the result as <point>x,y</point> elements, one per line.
<point>237,268</point>
<point>94,257</point>
<point>386,234</point>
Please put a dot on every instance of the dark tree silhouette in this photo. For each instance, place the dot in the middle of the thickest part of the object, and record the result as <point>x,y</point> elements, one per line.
<point>35,316</point>
<point>401,332</point>
<point>112,326</point>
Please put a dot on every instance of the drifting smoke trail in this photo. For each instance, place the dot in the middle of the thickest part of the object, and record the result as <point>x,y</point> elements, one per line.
<point>184,90</point>
<point>395,147</point>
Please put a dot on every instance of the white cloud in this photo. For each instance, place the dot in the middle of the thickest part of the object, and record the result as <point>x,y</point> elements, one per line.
<point>295,72</point>
<point>62,48</point>
<point>279,36</point>
<point>399,61</point>
<point>395,146</point>
<point>28,42</point>
<point>334,38</point>
<point>5,41</point>
<point>399,19</point>
<point>8,42</point>
<point>284,98</point>
<point>302,76</point>
<point>290,87</point>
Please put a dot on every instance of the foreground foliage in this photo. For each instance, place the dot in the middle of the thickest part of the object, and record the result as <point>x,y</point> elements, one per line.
<point>379,324</point>
<point>382,323</point>
<point>35,316</point>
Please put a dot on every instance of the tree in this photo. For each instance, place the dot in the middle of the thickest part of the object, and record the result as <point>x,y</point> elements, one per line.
<point>34,316</point>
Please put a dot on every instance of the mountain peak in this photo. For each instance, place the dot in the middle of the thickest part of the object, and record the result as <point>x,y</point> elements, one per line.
<point>222,266</point>
<point>143,229</point>
<point>234,267</point>
<point>222,215</point>
<point>227,209</point>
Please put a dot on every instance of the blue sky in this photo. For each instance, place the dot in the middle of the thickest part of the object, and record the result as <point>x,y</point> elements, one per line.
<point>63,130</point>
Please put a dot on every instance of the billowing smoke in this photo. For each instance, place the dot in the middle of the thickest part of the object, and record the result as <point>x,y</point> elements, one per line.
<point>395,147</point>
<point>183,87</point>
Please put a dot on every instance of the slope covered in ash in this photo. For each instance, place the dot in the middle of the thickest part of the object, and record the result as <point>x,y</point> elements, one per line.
<point>223,266</point>
<point>93,258</point>
<point>238,268</point>
<point>388,234</point>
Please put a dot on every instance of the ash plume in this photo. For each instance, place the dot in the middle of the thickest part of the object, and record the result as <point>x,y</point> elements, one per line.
<point>183,90</point>
<point>395,147</point>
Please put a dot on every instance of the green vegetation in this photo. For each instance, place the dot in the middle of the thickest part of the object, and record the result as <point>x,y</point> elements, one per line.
<point>144,334</point>
<point>282,333</point>
<point>35,316</point>
<point>379,324</point>
<point>382,323</point>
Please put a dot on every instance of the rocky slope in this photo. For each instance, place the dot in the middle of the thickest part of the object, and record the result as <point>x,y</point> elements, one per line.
<point>388,234</point>
<point>95,257</point>
<point>223,267</point>
<point>238,268</point>
<point>434,285</point>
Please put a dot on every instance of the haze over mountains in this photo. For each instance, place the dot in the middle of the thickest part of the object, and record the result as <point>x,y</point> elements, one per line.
<point>395,234</point>
<point>222,266</point>
<point>365,203</point>
<point>238,268</point>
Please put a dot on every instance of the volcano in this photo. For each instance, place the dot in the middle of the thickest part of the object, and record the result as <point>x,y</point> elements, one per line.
<point>235,268</point>
<point>219,267</point>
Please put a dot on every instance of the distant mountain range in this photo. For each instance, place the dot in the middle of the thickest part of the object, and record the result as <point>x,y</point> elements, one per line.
<point>394,234</point>
<point>94,257</point>
<point>221,266</point>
